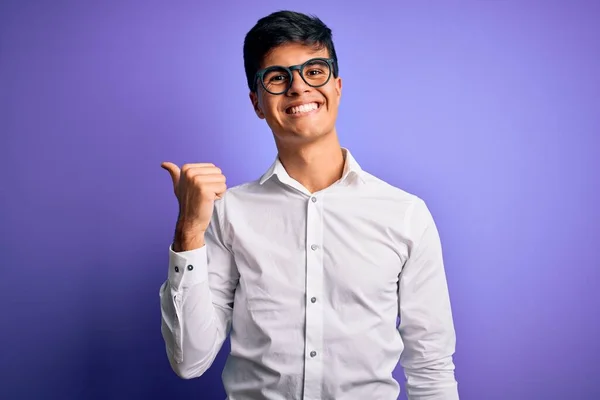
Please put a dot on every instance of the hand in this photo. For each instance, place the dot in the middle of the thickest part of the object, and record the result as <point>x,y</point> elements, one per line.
<point>196,187</point>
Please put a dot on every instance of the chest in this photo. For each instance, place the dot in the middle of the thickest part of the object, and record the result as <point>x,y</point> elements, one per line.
<point>284,256</point>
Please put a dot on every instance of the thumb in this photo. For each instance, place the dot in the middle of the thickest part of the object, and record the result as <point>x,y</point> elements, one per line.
<point>174,171</point>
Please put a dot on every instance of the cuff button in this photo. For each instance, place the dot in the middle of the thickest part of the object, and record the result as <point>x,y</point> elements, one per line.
<point>190,267</point>
<point>176,269</point>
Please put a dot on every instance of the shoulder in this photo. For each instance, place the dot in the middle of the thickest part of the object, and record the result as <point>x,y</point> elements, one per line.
<point>238,195</point>
<point>387,190</point>
<point>411,209</point>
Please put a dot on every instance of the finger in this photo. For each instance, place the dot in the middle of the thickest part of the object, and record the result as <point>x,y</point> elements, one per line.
<point>185,167</point>
<point>217,188</point>
<point>174,171</point>
<point>191,172</point>
<point>204,179</point>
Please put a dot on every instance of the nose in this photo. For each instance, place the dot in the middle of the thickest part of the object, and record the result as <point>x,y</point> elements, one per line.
<point>298,85</point>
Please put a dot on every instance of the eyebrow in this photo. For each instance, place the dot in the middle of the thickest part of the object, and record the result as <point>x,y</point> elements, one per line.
<point>291,65</point>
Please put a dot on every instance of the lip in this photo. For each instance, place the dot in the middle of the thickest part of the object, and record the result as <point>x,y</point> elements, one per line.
<point>299,103</point>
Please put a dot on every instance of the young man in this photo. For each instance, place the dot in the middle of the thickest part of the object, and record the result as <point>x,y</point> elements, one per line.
<point>308,267</point>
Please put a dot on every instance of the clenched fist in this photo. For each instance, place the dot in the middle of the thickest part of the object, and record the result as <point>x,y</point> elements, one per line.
<point>196,187</point>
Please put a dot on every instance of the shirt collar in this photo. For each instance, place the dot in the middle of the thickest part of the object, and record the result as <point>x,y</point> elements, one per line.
<point>351,168</point>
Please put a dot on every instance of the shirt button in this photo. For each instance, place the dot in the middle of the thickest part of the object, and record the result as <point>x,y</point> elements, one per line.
<point>176,269</point>
<point>190,267</point>
<point>314,247</point>
<point>313,300</point>
<point>314,199</point>
<point>313,353</point>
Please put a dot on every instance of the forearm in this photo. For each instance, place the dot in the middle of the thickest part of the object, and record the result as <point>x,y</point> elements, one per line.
<point>193,328</point>
<point>432,380</point>
<point>430,340</point>
<point>193,325</point>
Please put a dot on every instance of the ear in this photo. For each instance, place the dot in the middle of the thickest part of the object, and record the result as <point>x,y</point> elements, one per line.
<point>255,105</point>
<point>338,86</point>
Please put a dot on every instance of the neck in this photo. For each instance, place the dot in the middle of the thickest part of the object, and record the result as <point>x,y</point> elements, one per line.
<point>316,165</point>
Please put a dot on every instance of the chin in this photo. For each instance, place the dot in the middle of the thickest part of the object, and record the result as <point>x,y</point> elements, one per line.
<point>307,126</point>
<point>300,130</point>
<point>301,135</point>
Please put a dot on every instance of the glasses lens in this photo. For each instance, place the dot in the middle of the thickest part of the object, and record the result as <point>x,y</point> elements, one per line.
<point>276,80</point>
<point>316,72</point>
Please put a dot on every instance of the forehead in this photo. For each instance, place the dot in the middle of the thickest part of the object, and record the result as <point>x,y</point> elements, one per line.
<point>292,54</point>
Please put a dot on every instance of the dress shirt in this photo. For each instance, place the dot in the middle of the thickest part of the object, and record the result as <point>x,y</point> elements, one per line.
<point>310,286</point>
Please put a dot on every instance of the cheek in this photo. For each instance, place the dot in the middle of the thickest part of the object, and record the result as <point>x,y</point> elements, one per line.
<point>270,112</point>
<point>271,109</point>
<point>333,98</point>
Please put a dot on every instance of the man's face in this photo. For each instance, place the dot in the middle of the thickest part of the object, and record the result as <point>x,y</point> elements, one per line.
<point>289,123</point>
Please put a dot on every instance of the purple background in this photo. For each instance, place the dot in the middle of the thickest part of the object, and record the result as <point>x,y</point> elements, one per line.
<point>490,110</point>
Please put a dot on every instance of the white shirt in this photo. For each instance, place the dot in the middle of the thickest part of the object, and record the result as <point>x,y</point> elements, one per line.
<point>309,286</point>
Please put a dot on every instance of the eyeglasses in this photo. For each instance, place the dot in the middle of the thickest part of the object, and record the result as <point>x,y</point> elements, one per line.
<point>276,79</point>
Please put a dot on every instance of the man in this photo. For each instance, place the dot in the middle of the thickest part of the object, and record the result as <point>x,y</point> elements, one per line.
<point>308,267</point>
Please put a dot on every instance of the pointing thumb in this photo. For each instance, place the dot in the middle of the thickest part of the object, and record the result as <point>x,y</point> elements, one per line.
<point>174,171</point>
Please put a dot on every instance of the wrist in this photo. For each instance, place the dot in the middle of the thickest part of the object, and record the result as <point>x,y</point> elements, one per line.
<point>187,237</point>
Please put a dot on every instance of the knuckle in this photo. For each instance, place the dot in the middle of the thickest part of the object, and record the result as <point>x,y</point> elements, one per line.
<point>196,179</point>
<point>187,172</point>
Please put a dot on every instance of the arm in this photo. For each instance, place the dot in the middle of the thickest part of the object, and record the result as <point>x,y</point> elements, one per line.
<point>197,301</point>
<point>426,324</point>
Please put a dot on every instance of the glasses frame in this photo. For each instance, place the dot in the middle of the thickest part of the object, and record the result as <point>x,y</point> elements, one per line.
<point>300,68</point>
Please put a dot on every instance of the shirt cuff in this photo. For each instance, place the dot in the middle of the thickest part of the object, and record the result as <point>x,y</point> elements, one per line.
<point>187,268</point>
<point>449,393</point>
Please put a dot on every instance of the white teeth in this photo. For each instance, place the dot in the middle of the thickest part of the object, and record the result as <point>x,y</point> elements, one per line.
<point>304,108</point>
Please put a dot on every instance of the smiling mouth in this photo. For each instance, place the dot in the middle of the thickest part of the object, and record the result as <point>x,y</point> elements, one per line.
<point>303,108</point>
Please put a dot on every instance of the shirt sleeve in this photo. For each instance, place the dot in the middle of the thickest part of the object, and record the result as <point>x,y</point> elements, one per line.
<point>197,301</point>
<point>426,324</point>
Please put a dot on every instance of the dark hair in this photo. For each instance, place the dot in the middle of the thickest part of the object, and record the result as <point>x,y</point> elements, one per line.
<point>284,27</point>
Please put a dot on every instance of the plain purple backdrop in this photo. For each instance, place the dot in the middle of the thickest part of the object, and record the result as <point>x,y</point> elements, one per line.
<point>489,110</point>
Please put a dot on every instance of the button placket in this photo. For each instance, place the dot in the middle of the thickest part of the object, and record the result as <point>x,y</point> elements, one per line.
<point>314,311</point>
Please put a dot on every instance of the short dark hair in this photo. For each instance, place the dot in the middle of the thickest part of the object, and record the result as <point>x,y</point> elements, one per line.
<point>283,27</point>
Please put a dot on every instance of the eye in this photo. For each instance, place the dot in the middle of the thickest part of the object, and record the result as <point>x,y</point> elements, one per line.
<point>277,78</point>
<point>314,71</point>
